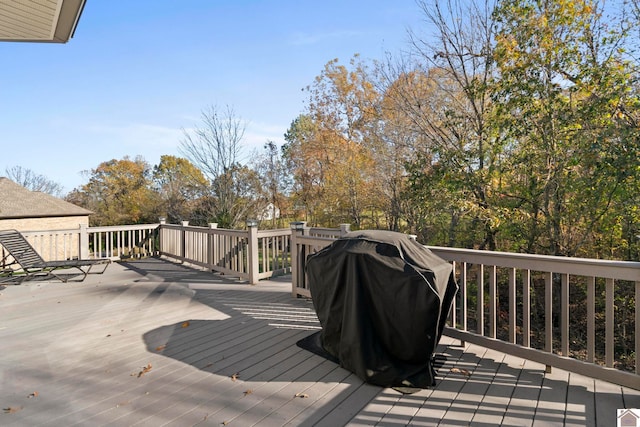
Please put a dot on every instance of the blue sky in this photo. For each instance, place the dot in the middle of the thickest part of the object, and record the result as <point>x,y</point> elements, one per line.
<point>137,72</point>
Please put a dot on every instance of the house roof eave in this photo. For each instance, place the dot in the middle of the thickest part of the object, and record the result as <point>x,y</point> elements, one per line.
<point>47,21</point>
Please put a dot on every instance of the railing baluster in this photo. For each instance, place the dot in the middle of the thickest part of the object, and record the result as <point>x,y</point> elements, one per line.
<point>493,297</point>
<point>609,323</point>
<point>267,256</point>
<point>548,316</point>
<point>454,306</point>
<point>564,314</point>
<point>480,281</point>
<point>591,319</point>
<point>463,295</point>
<point>512,305</point>
<point>526,308</point>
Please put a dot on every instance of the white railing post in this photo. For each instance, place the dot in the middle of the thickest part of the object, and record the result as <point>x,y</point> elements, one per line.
<point>83,242</point>
<point>253,250</point>
<point>344,229</point>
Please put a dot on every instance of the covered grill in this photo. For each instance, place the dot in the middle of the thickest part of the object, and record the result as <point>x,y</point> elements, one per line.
<point>382,300</point>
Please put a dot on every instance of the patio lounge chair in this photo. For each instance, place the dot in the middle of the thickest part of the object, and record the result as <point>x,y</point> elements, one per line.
<point>26,264</point>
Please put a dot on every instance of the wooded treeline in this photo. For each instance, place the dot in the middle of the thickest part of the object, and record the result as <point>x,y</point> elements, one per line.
<point>507,125</point>
<point>514,128</point>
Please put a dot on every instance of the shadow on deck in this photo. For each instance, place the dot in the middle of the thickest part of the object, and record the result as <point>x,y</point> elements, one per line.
<point>156,343</point>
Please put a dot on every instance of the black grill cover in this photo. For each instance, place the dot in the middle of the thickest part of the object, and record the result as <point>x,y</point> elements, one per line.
<point>382,300</point>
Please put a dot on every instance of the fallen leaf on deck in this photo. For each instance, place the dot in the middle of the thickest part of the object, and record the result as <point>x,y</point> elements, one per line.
<point>224,423</point>
<point>34,394</point>
<point>302,395</point>
<point>12,409</point>
<point>464,372</point>
<point>235,376</point>
<point>143,371</point>
<point>161,347</point>
<point>248,392</point>
<point>185,324</point>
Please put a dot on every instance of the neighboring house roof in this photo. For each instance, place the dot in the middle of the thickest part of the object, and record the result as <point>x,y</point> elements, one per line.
<point>39,20</point>
<point>18,202</point>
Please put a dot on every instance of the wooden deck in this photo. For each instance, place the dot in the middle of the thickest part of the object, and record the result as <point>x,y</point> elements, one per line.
<point>152,343</point>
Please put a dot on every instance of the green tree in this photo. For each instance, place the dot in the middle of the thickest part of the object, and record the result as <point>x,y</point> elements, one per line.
<point>244,185</point>
<point>119,192</point>
<point>342,106</point>
<point>306,160</point>
<point>180,185</point>
<point>565,102</point>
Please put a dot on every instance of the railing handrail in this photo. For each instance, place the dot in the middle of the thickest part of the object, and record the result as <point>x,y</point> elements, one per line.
<point>107,228</point>
<point>207,230</point>
<point>275,232</point>
<point>611,269</point>
<point>94,229</point>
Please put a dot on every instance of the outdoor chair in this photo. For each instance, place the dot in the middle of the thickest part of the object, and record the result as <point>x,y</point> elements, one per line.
<point>22,262</point>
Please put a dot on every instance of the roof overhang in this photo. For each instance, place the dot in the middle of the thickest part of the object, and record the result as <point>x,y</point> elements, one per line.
<point>52,21</point>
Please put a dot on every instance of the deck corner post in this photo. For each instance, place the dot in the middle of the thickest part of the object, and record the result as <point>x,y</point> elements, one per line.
<point>183,238</point>
<point>212,249</point>
<point>83,242</point>
<point>254,264</point>
<point>297,229</point>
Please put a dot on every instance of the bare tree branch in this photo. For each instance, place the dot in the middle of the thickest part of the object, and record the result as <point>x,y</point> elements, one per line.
<point>34,182</point>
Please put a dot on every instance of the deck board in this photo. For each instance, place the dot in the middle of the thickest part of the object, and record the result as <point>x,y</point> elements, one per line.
<point>522,406</point>
<point>71,354</point>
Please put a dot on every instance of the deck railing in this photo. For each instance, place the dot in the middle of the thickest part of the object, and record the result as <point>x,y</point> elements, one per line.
<point>114,242</point>
<point>495,305</point>
<point>515,303</point>
<point>250,254</point>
